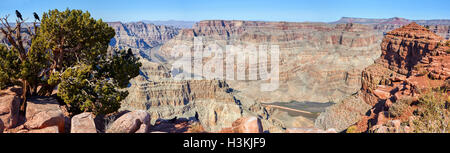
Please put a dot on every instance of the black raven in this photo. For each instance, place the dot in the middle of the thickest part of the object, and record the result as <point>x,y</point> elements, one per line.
<point>196,116</point>
<point>173,120</point>
<point>129,54</point>
<point>36,16</point>
<point>19,15</point>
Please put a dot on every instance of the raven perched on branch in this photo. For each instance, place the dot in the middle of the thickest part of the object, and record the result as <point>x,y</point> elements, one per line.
<point>19,15</point>
<point>36,16</point>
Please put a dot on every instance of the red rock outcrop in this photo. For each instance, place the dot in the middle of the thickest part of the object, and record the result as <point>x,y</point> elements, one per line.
<point>404,47</point>
<point>413,60</point>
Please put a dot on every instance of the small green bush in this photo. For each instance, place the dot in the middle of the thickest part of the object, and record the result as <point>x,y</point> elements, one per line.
<point>352,129</point>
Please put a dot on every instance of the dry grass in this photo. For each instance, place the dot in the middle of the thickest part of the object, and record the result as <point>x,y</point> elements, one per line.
<point>421,70</point>
<point>400,106</point>
<point>433,114</point>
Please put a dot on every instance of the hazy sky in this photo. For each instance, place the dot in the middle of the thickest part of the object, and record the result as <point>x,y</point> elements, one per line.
<point>267,10</point>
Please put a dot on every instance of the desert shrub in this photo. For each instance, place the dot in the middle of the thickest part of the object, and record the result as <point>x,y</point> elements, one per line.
<point>420,70</point>
<point>447,85</point>
<point>352,129</point>
<point>447,44</point>
<point>432,115</point>
<point>400,106</point>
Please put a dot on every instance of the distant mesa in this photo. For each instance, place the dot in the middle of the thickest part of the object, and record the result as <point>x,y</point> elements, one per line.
<point>439,26</point>
<point>394,20</point>
<point>174,23</point>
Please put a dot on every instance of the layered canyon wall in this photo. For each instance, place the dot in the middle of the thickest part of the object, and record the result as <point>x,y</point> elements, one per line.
<point>318,62</point>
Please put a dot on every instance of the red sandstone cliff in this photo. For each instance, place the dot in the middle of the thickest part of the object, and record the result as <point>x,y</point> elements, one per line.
<point>413,61</point>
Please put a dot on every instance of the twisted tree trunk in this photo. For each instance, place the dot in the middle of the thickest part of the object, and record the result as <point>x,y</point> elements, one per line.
<point>24,96</point>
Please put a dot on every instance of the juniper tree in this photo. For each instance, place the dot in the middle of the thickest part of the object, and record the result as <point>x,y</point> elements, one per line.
<point>19,64</point>
<point>89,78</point>
<point>69,50</point>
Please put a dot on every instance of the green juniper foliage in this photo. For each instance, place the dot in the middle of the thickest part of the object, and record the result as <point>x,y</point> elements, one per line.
<point>70,51</point>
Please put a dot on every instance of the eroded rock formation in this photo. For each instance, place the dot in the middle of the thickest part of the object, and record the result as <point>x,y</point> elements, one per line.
<point>413,60</point>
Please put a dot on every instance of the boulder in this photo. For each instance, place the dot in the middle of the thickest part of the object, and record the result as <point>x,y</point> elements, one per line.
<point>83,123</point>
<point>245,125</point>
<point>42,112</point>
<point>9,107</point>
<point>382,94</point>
<point>132,122</point>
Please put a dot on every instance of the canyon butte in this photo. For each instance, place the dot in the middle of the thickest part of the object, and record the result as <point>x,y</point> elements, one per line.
<point>344,76</point>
